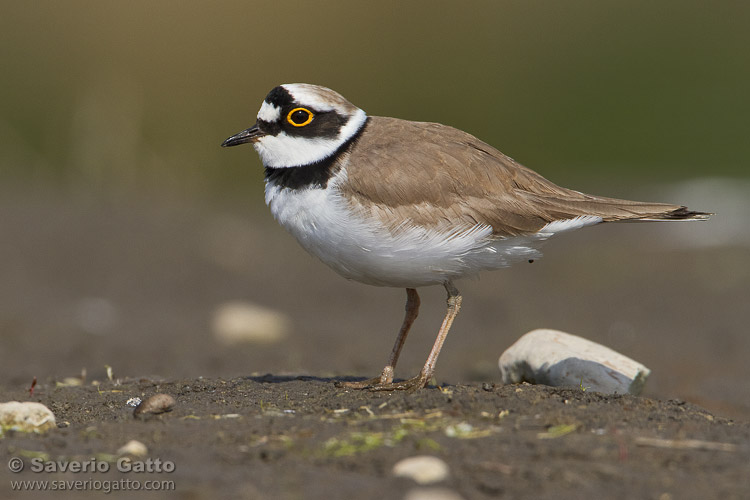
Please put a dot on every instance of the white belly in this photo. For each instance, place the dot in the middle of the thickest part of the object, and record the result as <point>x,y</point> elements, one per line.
<point>365,251</point>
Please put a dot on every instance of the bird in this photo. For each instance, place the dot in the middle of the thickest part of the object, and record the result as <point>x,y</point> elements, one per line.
<point>398,203</point>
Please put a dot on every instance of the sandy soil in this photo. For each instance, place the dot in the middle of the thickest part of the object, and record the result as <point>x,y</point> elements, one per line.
<point>133,284</point>
<point>300,437</point>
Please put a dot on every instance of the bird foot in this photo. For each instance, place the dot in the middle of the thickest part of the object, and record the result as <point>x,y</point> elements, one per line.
<point>377,384</point>
<point>362,384</point>
<point>386,377</point>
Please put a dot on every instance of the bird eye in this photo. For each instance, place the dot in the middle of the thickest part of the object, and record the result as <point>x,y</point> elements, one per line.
<point>299,117</point>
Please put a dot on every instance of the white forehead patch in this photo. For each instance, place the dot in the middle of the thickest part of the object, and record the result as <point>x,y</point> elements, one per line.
<point>307,95</point>
<point>269,112</point>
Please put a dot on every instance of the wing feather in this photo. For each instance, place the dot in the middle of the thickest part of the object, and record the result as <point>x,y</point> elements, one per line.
<point>434,175</point>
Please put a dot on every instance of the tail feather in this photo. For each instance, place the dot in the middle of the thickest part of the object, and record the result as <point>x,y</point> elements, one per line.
<point>682,213</point>
<point>577,204</point>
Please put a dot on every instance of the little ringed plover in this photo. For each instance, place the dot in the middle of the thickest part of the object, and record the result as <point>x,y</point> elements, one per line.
<point>398,203</point>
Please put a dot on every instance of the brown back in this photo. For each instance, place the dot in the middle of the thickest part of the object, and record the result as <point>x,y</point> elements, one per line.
<point>433,175</point>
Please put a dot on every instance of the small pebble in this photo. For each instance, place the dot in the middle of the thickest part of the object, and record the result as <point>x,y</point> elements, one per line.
<point>133,401</point>
<point>70,382</point>
<point>154,405</point>
<point>424,469</point>
<point>26,417</point>
<point>239,322</point>
<point>559,359</point>
<point>432,494</point>
<point>133,448</point>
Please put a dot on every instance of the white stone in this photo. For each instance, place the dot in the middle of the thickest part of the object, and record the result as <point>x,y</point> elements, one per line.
<point>240,322</point>
<point>432,494</point>
<point>26,417</point>
<point>424,469</point>
<point>133,448</point>
<point>555,358</point>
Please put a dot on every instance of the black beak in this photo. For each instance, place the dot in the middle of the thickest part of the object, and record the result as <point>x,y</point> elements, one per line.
<point>250,135</point>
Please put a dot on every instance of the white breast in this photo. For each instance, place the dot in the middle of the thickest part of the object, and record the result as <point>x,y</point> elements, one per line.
<point>411,256</point>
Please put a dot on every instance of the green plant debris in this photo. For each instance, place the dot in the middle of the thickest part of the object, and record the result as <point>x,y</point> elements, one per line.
<point>464,430</point>
<point>368,410</point>
<point>428,444</point>
<point>69,382</point>
<point>90,432</point>
<point>417,430</point>
<point>33,454</point>
<point>355,443</point>
<point>499,416</point>
<point>362,442</point>
<point>557,431</point>
<point>416,424</point>
<point>277,440</point>
<point>226,416</point>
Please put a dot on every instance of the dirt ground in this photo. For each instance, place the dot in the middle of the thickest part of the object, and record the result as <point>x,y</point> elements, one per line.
<point>300,437</point>
<point>133,284</point>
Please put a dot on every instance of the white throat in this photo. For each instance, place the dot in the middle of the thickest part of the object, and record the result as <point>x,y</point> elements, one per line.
<point>282,150</point>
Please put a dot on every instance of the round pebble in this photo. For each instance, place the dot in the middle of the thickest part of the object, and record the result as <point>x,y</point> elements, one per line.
<point>133,448</point>
<point>559,359</point>
<point>424,469</point>
<point>26,417</point>
<point>432,494</point>
<point>240,322</point>
<point>154,405</point>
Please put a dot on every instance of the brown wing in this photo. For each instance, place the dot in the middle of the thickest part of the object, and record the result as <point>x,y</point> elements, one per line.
<point>431,174</point>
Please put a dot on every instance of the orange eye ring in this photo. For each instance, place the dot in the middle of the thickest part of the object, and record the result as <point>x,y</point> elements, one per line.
<point>299,124</point>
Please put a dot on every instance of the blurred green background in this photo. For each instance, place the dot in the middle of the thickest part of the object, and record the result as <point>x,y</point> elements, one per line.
<point>124,226</point>
<point>139,95</point>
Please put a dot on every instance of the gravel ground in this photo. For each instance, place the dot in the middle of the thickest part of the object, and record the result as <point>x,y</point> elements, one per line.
<point>300,437</point>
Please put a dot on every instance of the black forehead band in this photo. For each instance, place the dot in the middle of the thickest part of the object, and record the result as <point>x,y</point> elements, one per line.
<point>279,97</point>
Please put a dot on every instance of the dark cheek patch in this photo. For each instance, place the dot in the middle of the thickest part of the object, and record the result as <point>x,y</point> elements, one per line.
<point>325,125</point>
<point>269,128</point>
